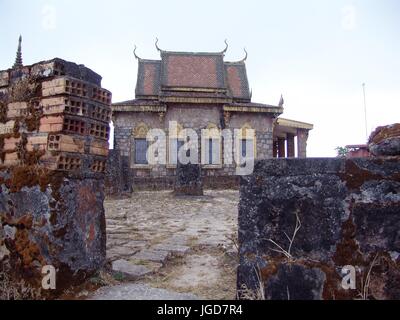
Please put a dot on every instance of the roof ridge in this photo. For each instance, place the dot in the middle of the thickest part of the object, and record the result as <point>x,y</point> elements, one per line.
<point>150,60</point>
<point>192,53</point>
<point>235,62</point>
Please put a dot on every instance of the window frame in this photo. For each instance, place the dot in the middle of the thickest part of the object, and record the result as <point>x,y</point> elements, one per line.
<point>138,132</point>
<point>205,148</point>
<point>135,154</point>
<point>244,136</point>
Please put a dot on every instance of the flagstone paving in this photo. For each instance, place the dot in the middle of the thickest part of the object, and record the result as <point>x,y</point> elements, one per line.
<point>139,291</point>
<point>181,244</point>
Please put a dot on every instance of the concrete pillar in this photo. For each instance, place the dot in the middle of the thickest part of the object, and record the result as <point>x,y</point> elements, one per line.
<point>302,136</point>
<point>281,148</point>
<point>290,145</point>
<point>275,149</point>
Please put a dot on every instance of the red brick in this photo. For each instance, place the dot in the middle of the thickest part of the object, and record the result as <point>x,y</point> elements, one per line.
<point>11,159</point>
<point>10,144</point>
<point>17,109</point>
<point>51,120</point>
<point>36,143</point>
<point>66,143</point>
<point>58,127</point>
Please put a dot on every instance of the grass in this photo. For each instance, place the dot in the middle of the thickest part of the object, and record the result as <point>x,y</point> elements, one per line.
<point>118,276</point>
<point>157,239</point>
<point>258,293</point>
<point>246,293</point>
<point>192,241</point>
<point>233,239</point>
<point>364,294</point>
<point>10,289</point>
<point>287,253</point>
<point>104,278</point>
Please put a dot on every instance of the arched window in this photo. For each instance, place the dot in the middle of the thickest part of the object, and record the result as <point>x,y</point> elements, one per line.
<point>139,144</point>
<point>246,142</point>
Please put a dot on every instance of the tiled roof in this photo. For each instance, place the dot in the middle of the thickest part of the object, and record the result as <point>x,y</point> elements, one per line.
<point>148,82</point>
<point>193,94</point>
<point>192,70</point>
<point>237,80</point>
<point>195,72</point>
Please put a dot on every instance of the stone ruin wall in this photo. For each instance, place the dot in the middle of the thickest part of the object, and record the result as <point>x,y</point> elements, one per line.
<point>348,213</point>
<point>54,131</point>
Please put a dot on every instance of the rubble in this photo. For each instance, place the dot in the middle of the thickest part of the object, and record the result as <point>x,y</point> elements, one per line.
<point>385,141</point>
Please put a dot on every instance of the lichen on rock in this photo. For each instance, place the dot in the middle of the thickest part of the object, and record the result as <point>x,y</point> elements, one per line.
<point>349,212</point>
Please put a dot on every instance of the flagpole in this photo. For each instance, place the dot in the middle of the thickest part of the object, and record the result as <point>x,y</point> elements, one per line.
<point>365,113</point>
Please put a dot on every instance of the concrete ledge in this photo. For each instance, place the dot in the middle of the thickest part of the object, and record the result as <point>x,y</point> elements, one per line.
<point>298,166</point>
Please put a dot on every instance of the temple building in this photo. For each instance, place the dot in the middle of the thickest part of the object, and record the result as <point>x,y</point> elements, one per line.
<point>198,90</point>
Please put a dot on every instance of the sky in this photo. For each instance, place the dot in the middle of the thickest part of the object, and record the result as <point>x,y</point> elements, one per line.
<point>316,53</point>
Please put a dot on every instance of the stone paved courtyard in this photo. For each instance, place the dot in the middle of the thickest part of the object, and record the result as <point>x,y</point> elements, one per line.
<point>181,244</point>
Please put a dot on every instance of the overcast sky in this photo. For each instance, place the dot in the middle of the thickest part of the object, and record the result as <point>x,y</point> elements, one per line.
<point>317,53</point>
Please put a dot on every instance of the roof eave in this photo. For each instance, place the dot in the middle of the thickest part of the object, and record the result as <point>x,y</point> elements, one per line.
<point>253,108</point>
<point>294,124</point>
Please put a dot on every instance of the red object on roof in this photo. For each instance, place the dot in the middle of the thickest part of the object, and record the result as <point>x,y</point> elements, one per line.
<point>358,151</point>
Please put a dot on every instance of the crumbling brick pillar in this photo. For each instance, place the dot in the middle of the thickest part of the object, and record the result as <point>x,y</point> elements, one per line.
<point>290,145</point>
<point>54,131</point>
<point>302,136</point>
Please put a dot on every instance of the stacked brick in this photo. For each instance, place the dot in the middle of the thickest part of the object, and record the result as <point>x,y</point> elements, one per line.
<point>55,114</point>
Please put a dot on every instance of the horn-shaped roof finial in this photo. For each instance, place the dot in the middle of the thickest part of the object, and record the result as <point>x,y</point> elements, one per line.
<point>157,47</point>
<point>134,53</point>
<point>226,46</point>
<point>245,57</point>
<point>18,58</point>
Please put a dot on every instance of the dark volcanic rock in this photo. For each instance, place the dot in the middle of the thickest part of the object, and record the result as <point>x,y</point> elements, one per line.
<point>348,213</point>
<point>188,180</point>
<point>60,224</point>
<point>295,282</point>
